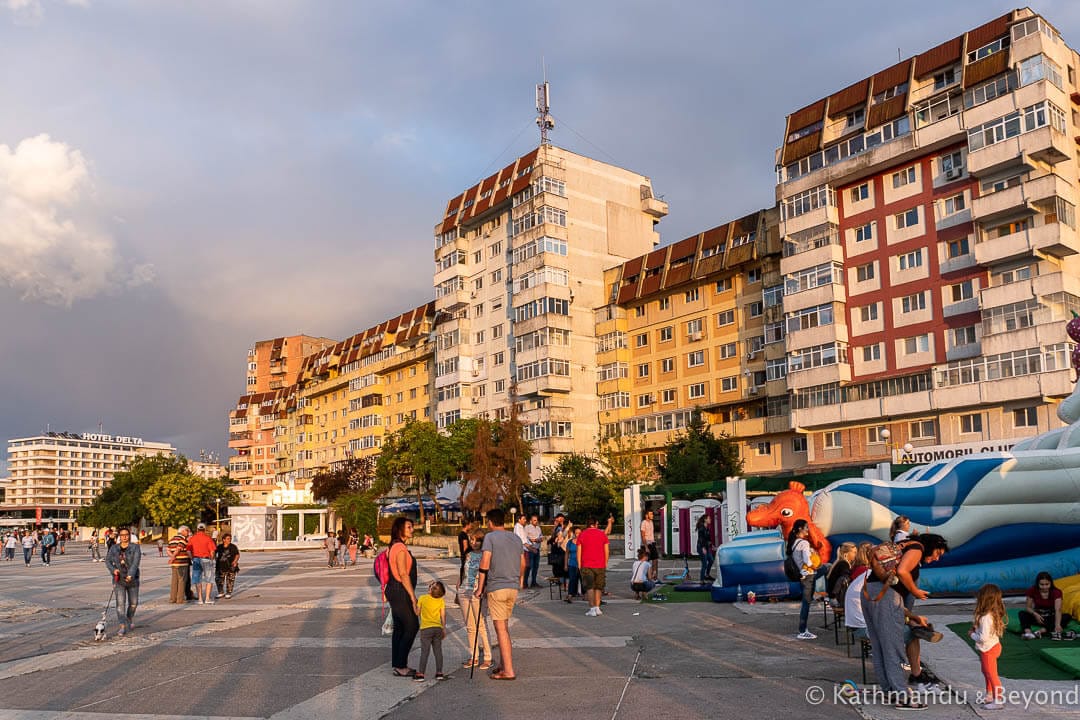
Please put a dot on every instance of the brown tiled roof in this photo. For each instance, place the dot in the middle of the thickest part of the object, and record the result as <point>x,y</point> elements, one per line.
<point>947,53</point>
<point>851,96</point>
<point>988,33</point>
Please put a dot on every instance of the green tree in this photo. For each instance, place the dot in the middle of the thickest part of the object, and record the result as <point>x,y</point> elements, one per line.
<point>577,483</point>
<point>181,498</point>
<point>622,458</point>
<point>121,503</point>
<point>696,456</point>
<point>358,510</point>
<point>418,458</point>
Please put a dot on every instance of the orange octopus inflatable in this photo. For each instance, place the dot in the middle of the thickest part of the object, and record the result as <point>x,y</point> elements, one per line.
<point>787,507</point>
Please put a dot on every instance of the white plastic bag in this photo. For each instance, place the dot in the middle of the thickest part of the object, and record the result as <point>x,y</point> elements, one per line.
<point>388,625</point>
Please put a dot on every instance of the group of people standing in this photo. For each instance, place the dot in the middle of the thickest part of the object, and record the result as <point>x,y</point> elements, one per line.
<point>199,563</point>
<point>47,540</point>
<point>342,547</point>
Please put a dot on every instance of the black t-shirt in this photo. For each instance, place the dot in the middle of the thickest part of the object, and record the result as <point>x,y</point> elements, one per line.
<point>463,544</point>
<point>908,546</point>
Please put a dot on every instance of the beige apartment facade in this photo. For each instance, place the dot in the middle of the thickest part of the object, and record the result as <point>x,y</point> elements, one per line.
<point>56,473</point>
<point>519,262</point>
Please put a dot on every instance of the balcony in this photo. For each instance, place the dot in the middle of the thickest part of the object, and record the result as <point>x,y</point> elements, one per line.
<point>654,206</point>
<point>1057,239</point>
<point>1045,144</point>
<point>828,251</point>
<point>822,294</point>
<point>992,251</point>
<point>820,335</point>
<point>838,372</point>
<point>942,132</point>
<point>240,439</point>
<point>545,385</point>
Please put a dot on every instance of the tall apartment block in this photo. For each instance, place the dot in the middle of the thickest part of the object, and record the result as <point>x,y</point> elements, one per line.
<point>272,367</point>
<point>519,267</point>
<point>928,215</point>
<point>339,400</point>
<point>54,474</point>
<point>698,326</point>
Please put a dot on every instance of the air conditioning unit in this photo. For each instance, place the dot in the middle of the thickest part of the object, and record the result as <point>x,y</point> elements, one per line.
<point>953,173</point>
<point>476,401</point>
<point>752,390</point>
<point>751,355</point>
<point>694,336</point>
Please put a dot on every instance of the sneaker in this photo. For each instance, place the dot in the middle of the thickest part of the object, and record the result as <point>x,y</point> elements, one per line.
<point>591,612</point>
<point>440,676</point>
<point>1028,635</point>
<point>993,706</point>
<point>201,602</point>
<point>228,596</point>
<point>806,635</point>
<point>1055,636</point>
<point>1070,635</point>
<point>910,705</point>
<point>418,677</point>
<point>599,611</point>
<point>209,602</point>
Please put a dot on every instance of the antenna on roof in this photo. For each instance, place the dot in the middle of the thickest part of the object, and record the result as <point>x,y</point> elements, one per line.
<point>543,107</point>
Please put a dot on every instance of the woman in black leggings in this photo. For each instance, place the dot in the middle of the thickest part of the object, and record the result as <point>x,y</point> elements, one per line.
<point>401,594</point>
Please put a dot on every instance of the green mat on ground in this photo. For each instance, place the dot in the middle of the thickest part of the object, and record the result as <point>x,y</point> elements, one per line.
<point>679,596</point>
<point>1024,659</point>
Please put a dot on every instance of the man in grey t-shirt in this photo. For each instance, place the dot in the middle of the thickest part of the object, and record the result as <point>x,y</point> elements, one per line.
<point>502,570</point>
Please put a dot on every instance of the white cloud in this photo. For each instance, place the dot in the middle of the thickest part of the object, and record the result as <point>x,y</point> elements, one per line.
<point>32,12</point>
<point>51,249</point>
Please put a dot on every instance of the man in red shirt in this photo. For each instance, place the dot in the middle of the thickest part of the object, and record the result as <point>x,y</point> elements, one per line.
<point>593,552</point>
<point>202,548</point>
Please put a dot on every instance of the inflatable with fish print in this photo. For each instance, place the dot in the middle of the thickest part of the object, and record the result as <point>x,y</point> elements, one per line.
<point>1006,516</point>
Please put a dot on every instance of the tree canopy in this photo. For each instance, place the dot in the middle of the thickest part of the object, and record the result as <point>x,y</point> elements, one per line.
<point>418,458</point>
<point>121,504</point>
<point>696,455</point>
<point>577,483</point>
<point>352,475</point>
<point>499,468</point>
<point>181,498</point>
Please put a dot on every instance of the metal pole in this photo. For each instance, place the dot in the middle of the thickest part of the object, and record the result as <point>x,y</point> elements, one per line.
<point>476,635</point>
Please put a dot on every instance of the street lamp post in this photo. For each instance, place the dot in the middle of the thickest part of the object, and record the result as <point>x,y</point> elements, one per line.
<point>217,515</point>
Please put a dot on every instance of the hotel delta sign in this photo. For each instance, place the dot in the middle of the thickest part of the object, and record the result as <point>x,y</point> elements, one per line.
<point>937,453</point>
<point>121,439</point>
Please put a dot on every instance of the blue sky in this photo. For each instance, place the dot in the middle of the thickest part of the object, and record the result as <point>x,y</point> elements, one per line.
<point>181,179</point>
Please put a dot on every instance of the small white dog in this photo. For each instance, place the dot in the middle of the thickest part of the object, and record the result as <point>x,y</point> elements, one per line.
<point>99,629</point>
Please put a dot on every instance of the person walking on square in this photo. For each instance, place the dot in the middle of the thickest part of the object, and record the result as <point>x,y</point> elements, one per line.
<point>990,621</point>
<point>705,547</point>
<point>330,546</point>
<point>533,536</point>
<point>48,542</point>
<point>502,572</point>
<point>401,594</point>
<point>573,570</point>
<point>464,543</point>
<point>28,543</point>
<point>122,562</point>
<point>227,562</point>
<point>470,605</point>
<point>202,549</point>
<point>354,546</point>
<point>432,611</point>
<point>62,540</point>
<point>10,543</point>
<point>593,552</point>
<point>161,545</point>
<point>179,563</point>
<point>798,546</point>
<point>343,549</point>
<point>95,547</point>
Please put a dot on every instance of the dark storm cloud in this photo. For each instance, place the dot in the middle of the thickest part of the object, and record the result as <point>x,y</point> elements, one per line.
<point>281,165</point>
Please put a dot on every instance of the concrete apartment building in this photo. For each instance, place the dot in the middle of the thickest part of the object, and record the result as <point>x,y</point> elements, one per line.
<point>697,325</point>
<point>928,215</point>
<point>519,267</point>
<point>54,474</point>
<point>272,368</point>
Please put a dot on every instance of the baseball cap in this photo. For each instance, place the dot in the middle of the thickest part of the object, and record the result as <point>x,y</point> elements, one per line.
<point>200,526</point>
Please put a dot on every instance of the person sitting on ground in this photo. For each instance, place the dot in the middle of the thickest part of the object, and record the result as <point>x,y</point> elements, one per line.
<point>639,576</point>
<point>839,577</point>
<point>1042,611</point>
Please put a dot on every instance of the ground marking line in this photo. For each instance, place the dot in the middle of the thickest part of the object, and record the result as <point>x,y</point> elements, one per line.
<point>626,687</point>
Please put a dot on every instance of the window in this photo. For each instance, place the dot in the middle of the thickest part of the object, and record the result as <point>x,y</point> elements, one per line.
<point>774,332</point>
<point>962,291</point>
<point>1019,274</point>
<point>693,329</point>
<point>953,163</point>
<point>832,440</point>
<point>959,248</point>
<point>764,448</point>
<point>728,350</point>
<point>1040,67</point>
<point>498,358</point>
<point>812,277</point>
<point>695,391</point>
<point>917,344</point>
<point>695,359</point>
<point>817,356</point>
<point>963,336</point>
<point>729,384</point>
<point>639,311</point>
<point>904,177</point>
<point>666,333</point>
<point>944,79</point>
<point>496,277</point>
<point>808,201</point>
<point>775,369</point>
<point>756,309</point>
<point>664,303</point>
<point>873,434</point>
<point>989,49</point>
<point>667,365</point>
<point>725,318</point>
<point>810,318</point>
<point>855,118</point>
<point>667,396</point>
<point>954,204</point>
<point>643,370</point>
<point>645,400</point>
<point>773,296</point>
<point>724,285</point>
<point>753,275</point>
<point>986,92</point>
<point>866,232</point>
<point>798,443</point>
<point>692,295</point>
<point>1025,417</point>
<point>641,340</point>
<point>478,257</point>
<point>864,272</point>
<point>911,303</point>
<point>1034,116</point>
<point>971,423</point>
<point>478,310</point>
<point>870,353</point>
<point>922,429</point>
<point>500,386</point>
<point>910,260</point>
<point>860,192</point>
<point>906,219</point>
<point>868,312</point>
<point>495,250</point>
<point>497,331</point>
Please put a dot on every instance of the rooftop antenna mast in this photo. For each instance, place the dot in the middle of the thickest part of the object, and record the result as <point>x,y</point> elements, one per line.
<point>543,108</point>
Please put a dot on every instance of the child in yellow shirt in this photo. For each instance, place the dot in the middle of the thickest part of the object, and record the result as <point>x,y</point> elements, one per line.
<point>432,611</point>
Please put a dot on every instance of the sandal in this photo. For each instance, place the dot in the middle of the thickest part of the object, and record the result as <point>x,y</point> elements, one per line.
<point>484,665</point>
<point>500,676</point>
<point>910,705</point>
<point>469,663</point>
<point>407,674</point>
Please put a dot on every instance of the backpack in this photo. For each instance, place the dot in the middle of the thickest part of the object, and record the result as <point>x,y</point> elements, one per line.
<point>792,571</point>
<point>382,568</point>
<point>885,558</point>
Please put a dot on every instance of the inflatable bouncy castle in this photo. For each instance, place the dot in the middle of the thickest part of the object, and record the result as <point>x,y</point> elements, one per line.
<point>1006,516</point>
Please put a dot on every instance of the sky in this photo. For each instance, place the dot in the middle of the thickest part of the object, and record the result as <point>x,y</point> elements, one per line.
<point>181,179</point>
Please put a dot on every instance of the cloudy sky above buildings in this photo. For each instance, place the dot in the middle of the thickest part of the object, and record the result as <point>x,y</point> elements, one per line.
<point>180,179</point>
